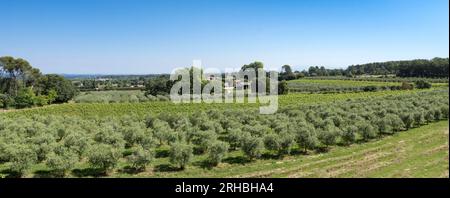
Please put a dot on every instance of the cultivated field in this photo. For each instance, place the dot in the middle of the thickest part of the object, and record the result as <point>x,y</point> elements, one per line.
<point>402,133</point>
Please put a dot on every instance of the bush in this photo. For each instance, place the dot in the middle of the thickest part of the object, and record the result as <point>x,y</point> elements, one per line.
<point>429,116</point>
<point>25,98</point>
<point>286,142</point>
<point>328,135</point>
<point>181,154</point>
<point>163,132</point>
<point>21,157</point>
<point>103,156</point>
<point>421,84</point>
<point>419,119</point>
<point>370,88</point>
<point>406,86</point>
<point>408,120</point>
<point>437,114</point>
<point>77,141</point>
<point>203,139</point>
<point>349,134</point>
<point>62,160</point>
<point>42,144</point>
<point>108,135</point>
<point>252,147</point>
<point>217,152</point>
<point>366,130</point>
<point>140,158</point>
<point>395,122</point>
<point>133,135</point>
<point>234,138</point>
<point>306,137</point>
<point>272,142</point>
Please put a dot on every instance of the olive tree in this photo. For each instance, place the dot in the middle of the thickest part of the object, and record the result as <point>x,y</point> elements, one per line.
<point>306,137</point>
<point>62,160</point>
<point>180,154</point>
<point>272,142</point>
<point>252,147</point>
<point>234,138</point>
<point>140,157</point>
<point>349,134</point>
<point>366,130</point>
<point>103,156</point>
<point>286,143</point>
<point>22,157</point>
<point>217,152</point>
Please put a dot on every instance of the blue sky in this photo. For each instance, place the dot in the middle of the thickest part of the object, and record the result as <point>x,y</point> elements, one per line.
<point>151,36</point>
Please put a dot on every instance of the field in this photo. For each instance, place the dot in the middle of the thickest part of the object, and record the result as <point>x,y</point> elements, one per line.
<point>420,152</point>
<point>141,109</point>
<point>337,85</point>
<point>401,133</point>
<point>130,96</point>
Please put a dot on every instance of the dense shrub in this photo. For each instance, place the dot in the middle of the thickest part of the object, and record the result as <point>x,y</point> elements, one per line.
<point>349,134</point>
<point>180,154</point>
<point>366,130</point>
<point>62,160</point>
<point>252,147</point>
<point>217,152</point>
<point>140,158</point>
<point>272,142</point>
<point>22,157</point>
<point>103,156</point>
<point>306,137</point>
<point>421,84</point>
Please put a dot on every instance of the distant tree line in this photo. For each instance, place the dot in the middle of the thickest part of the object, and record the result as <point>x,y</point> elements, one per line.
<point>23,86</point>
<point>434,68</point>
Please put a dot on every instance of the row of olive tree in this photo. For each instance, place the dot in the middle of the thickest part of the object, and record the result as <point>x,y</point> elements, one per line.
<point>63,143</point>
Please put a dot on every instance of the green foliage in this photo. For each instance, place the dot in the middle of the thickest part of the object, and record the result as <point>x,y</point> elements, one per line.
<point>252,147</point>
<point>234,138</point>
<point>216,152</point>
<point>272,142</point>
<point>62,160</point>
<point>158,86</point>
<point>286,143</point>
<point>180,154</point>
<point>101,138</point>
<point>283,88</point>
<point>408,120</point>
<point>23,86</point>
<point>25,98</point>
<point>366,130</point>
<point>103,156</point>
<point>421,84</point>
<point>349,134</point>
<point>64,88</point>
<point>306,137</point>
<point>140,158</point>
<point>328,135</point>
<point>22,157</point>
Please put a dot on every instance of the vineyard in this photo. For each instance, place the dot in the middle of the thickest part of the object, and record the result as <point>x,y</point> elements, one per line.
<point>142,109</point>
<point>190,140</point>
<point>381,78</point>
<point>337,85</point>
<point>116,97</point>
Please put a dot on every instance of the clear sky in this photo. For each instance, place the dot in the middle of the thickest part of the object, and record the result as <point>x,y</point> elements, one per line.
<point>152,36</point>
